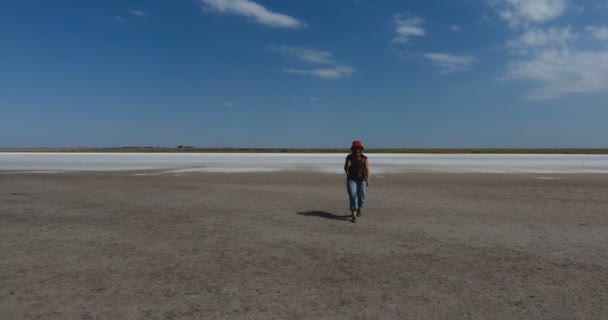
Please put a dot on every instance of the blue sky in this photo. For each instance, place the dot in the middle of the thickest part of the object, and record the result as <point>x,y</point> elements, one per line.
<point>270,73</point>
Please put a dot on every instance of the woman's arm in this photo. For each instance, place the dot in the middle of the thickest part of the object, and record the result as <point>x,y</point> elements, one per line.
<point>368,173</point>
<point>346,165</point>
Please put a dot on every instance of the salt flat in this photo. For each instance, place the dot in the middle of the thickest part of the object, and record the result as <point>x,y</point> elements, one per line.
<point>259,245</point>
<point>179,236</point>
<point>326,163</point>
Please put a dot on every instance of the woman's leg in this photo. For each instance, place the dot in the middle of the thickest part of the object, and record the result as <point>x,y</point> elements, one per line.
<point>360,195</point>
<point>353,195</point>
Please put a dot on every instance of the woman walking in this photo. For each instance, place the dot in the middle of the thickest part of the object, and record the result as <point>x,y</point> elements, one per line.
<point>358,176</point>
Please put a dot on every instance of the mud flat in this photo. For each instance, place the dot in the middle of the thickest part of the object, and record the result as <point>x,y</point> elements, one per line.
<point>193,245</point>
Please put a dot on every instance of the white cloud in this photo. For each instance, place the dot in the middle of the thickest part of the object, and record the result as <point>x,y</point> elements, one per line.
<point>307,55</point>
<point>119,18</point>
<point>599,32</point>
<point>560,72</point>
<point>485,20</point>
<point>408,28</point>
<point>334,72</point>
<point>254,10</point>
<point>553,61</point>
<point>229,104</point>
<point>455,28</point>
<point>537,38</point>
<point>523,13</point>
<point>137,13</point>
<point>450,62</point>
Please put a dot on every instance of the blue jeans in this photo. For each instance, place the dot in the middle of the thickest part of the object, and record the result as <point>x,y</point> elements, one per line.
<point>356,193</point>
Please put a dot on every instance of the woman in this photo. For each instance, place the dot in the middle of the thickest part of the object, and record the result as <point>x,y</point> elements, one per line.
<point>357,178</point>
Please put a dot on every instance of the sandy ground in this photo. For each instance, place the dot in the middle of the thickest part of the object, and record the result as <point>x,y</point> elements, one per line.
<point>278,245</point>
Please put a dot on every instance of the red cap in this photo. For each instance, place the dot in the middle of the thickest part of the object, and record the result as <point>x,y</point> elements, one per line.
<point>357,144</point>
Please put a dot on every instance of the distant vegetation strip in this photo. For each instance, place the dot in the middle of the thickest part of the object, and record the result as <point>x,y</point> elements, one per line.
<point>182,149</point>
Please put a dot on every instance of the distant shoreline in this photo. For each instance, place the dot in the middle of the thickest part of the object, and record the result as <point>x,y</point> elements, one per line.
<point>317,150</point>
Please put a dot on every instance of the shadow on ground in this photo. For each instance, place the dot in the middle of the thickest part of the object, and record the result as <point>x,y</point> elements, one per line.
<point>324,214</point>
